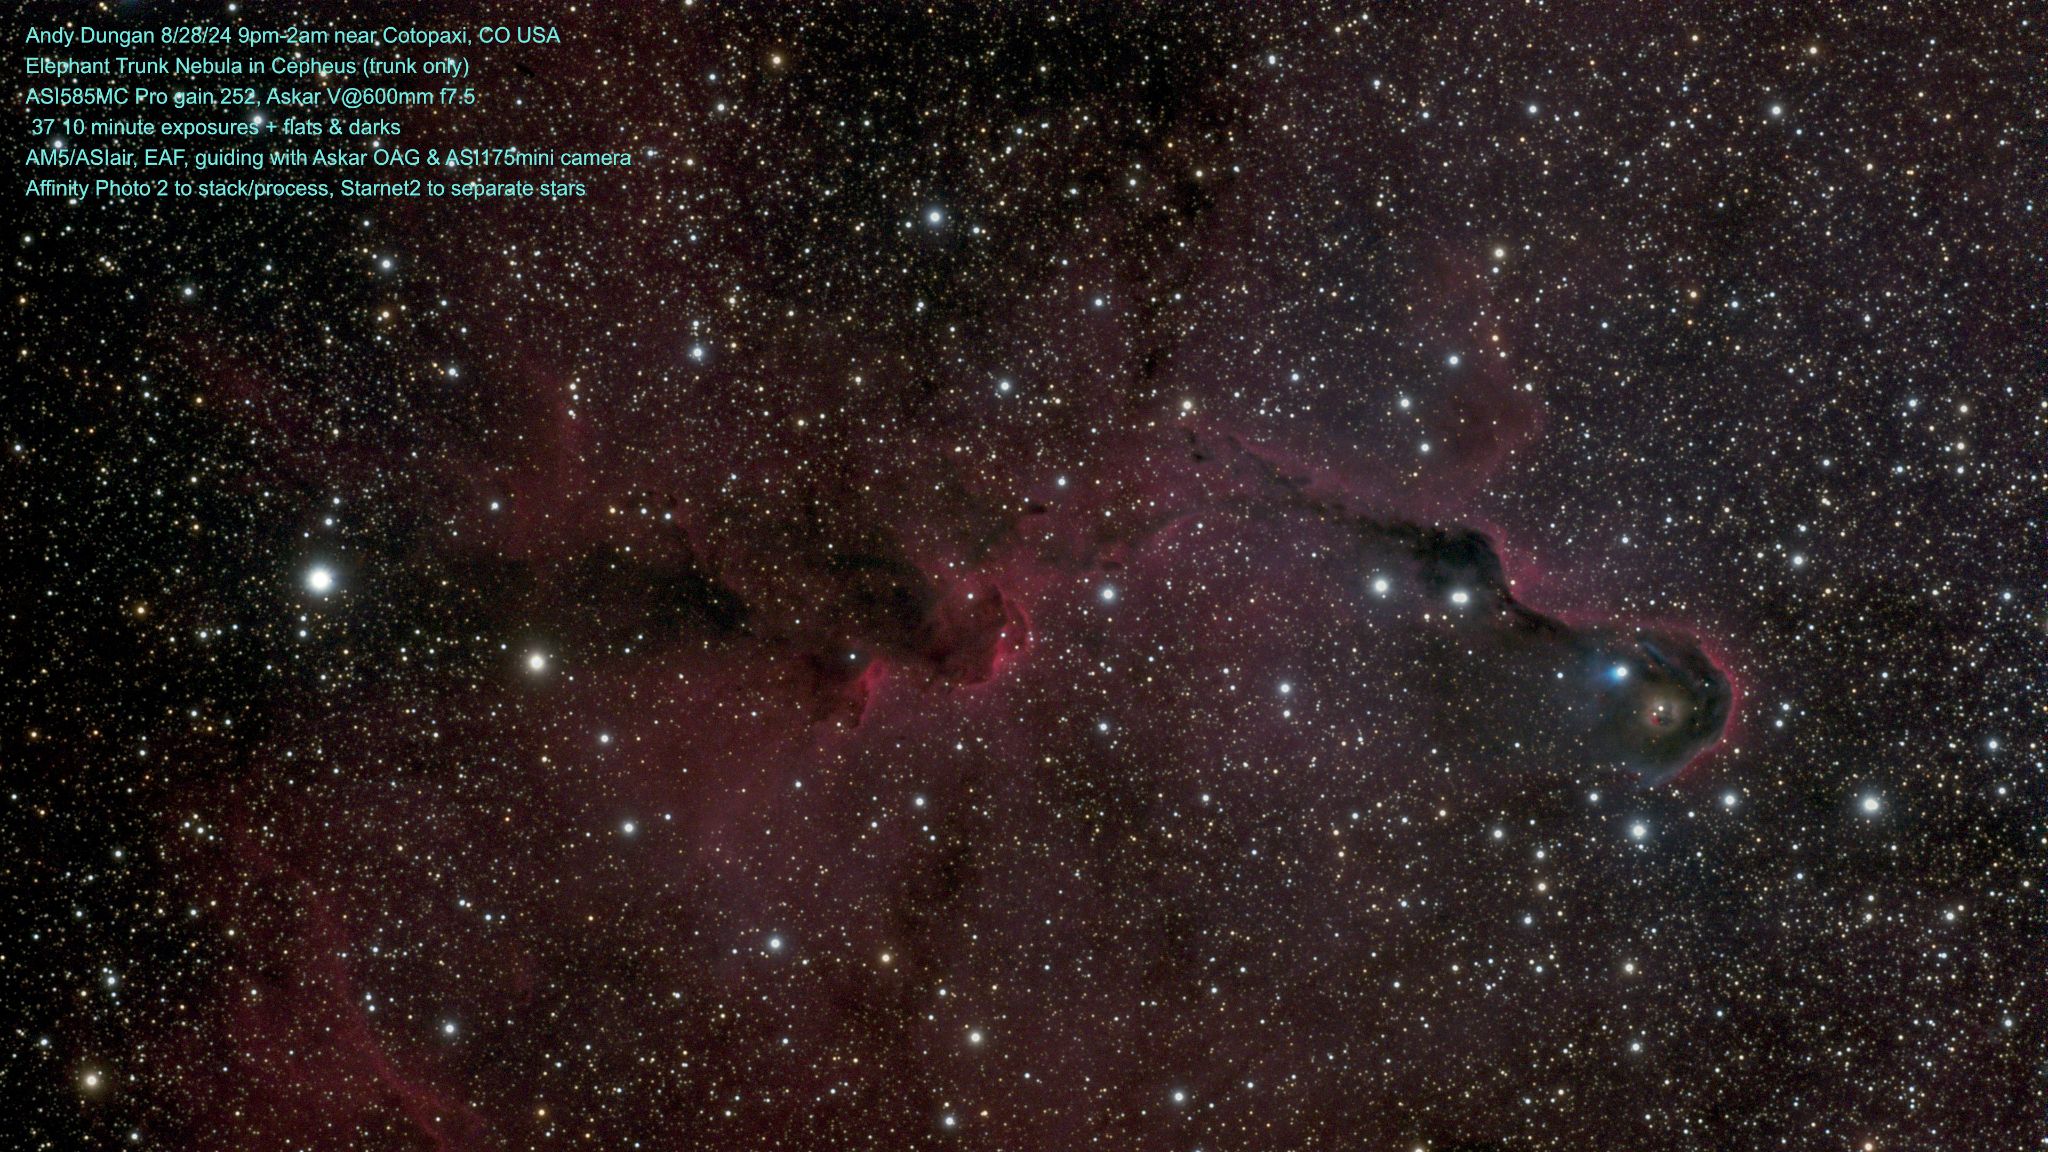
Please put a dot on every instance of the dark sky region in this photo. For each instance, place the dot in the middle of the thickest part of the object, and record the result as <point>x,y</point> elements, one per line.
<point>1157,577</point>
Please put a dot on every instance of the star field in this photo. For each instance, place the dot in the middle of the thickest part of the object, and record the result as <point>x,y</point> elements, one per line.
<point>1183,577</point>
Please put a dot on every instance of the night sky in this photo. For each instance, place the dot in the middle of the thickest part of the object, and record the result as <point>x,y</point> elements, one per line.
<point>1158,577</point>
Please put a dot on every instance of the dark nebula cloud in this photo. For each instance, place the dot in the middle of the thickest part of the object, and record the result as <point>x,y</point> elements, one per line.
<point>1645,700</point>
<point>937,794</point>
